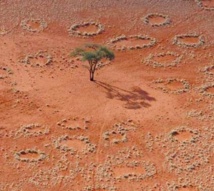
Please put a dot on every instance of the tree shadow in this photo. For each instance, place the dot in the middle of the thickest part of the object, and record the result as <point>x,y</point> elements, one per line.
<point>133,99</point>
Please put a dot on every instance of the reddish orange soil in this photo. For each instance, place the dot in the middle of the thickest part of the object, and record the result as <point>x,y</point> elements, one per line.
<point>132,42</point>
<point>165,58</point>
<point>131,129</point>
<point>33,24</point>
<point>89,29</point>
<point>190,40</point>
<point>156,20</point>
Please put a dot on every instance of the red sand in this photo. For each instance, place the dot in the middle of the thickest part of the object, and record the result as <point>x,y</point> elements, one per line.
<point>123,91</point>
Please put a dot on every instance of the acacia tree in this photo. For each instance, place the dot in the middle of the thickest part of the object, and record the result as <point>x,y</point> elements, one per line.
<point>93,53</point>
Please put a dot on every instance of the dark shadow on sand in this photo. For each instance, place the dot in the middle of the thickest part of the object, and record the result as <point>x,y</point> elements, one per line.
<point>136,98</point>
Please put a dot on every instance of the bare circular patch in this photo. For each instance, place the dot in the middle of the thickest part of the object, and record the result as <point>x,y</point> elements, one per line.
<point>115,136</point>
<point>133,170</point>
<point>132,42</point>
<point>42,58</point>
<point>206,4</point>
<point>189,40</point>
<point>74,123</point>
<point>86,29</point>
<point>172,85</point>
<point>33,25</point>
<point>207,90</point>
<point>184,135</point>
<point>32,130</point>
<point>156,19</point>
<point>30,155</point>
<point>167,59</point>
<point>75,144</point>
<point>118,134</point>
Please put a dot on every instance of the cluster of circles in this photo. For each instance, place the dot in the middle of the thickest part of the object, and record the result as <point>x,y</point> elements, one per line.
<point>168,81</point>
<point>166,19</point>
<point>200,3</point>
<point>33,130</point>
<point>73,30</point>
<point>37,25</point>
<point>204,88</point>
<point>186,153</point>
<point>22,155</point>
<point>125,165</point>
<point>138,37</point>
<point>186,158</point>
<point>150,60</point>
<point>74,123</point>
<point>178,40</point>
<point>130,159</point>
<point>26,25</point>
<point>41,54</point>
<point>88,146</point>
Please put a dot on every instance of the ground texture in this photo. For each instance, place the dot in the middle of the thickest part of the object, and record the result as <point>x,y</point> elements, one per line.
<point>145,124</point>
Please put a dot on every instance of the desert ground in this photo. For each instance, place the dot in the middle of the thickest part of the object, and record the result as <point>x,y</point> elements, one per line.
<point>147,121</point>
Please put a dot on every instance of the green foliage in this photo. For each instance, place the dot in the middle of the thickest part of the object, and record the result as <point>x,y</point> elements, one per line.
<point>97,53</point>
<point>106,53</point>
<point>89,56</point>
<point>93,53</point>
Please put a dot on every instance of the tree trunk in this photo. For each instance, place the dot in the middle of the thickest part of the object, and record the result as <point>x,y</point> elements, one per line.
<point>92,71</point>
<point>91,76</point>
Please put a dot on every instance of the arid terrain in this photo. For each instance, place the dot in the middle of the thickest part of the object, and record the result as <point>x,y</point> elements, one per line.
<point>147,121</point>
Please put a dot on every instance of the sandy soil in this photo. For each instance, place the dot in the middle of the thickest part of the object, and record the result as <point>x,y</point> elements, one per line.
<point>145,124</point>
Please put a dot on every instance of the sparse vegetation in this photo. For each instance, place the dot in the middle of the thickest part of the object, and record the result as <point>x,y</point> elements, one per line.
<point>93,53</point>
<point>138,126</point>
<point>143,42</point>
<point>161,20</point>
<point>74,29</point>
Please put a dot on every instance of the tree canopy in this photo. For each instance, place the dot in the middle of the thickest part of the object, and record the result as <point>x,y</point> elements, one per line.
<point>93,53</point>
